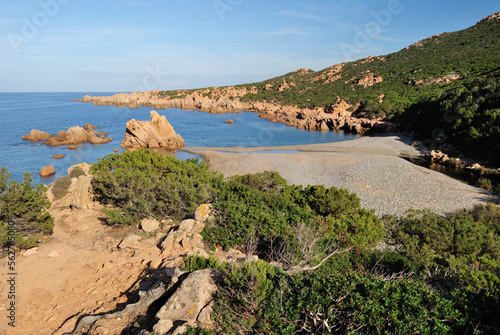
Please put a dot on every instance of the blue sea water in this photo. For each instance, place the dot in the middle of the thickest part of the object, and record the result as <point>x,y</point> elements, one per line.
<point>52,112</point>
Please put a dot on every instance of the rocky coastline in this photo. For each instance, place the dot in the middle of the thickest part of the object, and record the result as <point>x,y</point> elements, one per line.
<point>336,116</point>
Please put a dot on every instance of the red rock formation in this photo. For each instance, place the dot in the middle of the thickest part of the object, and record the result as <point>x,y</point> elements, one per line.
<point>47,171</point>
<point>370,80</point>
<point>88,126</point>
<point>58,156</point>
<point>157,133</point>
<point>229,121</point>
<point>36,135</point>
<point>75,135</point>
<point>336,116</point>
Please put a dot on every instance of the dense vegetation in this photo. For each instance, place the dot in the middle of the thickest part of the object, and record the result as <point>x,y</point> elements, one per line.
<point>144,184</point>
<point>438,275</point>
<point>25,206</point>
<point>443,280</point>
<point>444,89</point>
<point>258,211</point>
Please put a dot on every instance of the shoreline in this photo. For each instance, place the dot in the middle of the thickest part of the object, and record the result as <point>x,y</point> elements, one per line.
<point>373,167</point>
<point>219,100</point>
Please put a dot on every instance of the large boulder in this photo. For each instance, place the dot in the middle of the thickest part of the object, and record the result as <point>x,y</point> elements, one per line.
<point>76,135</point>
<point>191,302</point>
<point>36,135</point>
<point>47,171</point>
<point>82,195</point>
<point>150,225</point>
<point>157,133</point>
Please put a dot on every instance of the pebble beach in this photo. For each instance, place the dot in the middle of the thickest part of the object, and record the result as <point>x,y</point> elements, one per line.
<point>371,167</point>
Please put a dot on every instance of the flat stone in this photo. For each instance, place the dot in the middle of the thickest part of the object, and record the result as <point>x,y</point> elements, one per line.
<point>30,252</point>
<point>55,253</point>
<point>150,225</point>
<point>130,241</point>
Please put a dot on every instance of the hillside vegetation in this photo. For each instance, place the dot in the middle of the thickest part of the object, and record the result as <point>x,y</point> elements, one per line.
<point>323,275</point>
<point>444,89</point>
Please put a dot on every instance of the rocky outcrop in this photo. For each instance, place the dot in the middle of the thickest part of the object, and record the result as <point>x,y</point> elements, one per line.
<point>191,303</point>
<point>82,194</point>
<point>150,225</point>
<point>369,80</point>
<point>226,99</point>
<point>495,16</point>
<point>157,133</point>
<point>47,171</point>
<point>75,135</point>
<point>36,135</point>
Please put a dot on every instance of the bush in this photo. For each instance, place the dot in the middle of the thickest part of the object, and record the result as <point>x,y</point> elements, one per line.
<point>76,172</point>
<point>267,181</point>
<point>61,187</point>
<point>142,184</point>
<point>460,255</point>
<point>25,206</point>
<point>260,298</point>
<point>243,211</point>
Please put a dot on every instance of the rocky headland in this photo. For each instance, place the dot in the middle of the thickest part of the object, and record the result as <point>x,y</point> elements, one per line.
<point>335,116</point>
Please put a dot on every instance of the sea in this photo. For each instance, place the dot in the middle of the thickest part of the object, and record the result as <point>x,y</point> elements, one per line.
<point>52,112</point>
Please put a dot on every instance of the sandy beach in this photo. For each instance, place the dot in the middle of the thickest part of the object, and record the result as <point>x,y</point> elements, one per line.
<point>371,167</point>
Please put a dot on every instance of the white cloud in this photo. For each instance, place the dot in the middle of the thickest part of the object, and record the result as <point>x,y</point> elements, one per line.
<point>296,14</point>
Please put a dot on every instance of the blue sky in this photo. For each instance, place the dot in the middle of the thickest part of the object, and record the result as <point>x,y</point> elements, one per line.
<point>122,46</point>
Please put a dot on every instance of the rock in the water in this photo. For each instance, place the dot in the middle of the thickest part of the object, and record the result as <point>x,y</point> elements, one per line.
<point>116,150</point>
<point>36,135</point>
<point>82,195</point>
<point>47,171</point>
<point>76,135</point>
<point>72,147</point>
<point>58,156</point>
<point>193,296</point>
<point>130,241</point>
<point>150,225</point>
<point>88,126</point>
<point>157,133</point>
<point>229,121</point>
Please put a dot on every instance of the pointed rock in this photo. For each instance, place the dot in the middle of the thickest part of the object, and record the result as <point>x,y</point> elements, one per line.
<point>157,133</point>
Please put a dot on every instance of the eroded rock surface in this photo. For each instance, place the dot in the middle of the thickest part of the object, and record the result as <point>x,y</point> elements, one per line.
<point>157,133</point>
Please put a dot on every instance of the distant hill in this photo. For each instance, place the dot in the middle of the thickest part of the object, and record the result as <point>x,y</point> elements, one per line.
<point>443,89</point>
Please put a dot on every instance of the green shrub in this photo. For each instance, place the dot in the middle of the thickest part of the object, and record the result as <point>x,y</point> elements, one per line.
<point>143,184</point>
<point>76,172</point>
<point>248,206</point>
<point>23,208</point>
<point>61,187</point>
<point>460,255</point>
<point>260,298</point>
<point>267,181</point>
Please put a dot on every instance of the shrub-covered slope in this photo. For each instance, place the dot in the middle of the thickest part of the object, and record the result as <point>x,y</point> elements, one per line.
<point>443,89</point>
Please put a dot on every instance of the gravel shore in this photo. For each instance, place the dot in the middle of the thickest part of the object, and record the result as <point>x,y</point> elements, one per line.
<point>371,167</point>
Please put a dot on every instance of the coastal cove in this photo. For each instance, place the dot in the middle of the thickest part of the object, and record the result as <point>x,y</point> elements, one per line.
<point>52,112</point>
<point>370,166</point>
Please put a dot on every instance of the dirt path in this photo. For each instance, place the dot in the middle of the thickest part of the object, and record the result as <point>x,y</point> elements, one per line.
<point>76,271</point>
